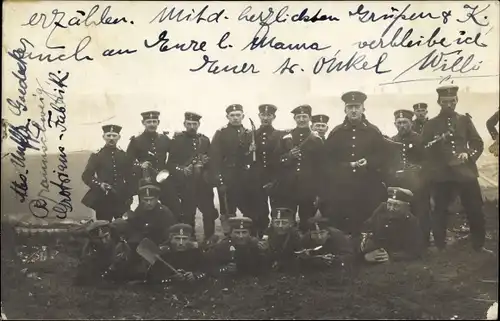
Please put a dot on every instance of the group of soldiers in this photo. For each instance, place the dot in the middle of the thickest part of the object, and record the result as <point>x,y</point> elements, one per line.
<point>359,195</point>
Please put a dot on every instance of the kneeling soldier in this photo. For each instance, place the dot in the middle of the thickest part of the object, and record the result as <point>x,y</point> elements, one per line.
<point>183,253</point>
<point>392,231</point>
<point>325,246</point>
<point>283,238</point>
<point>239,251</point>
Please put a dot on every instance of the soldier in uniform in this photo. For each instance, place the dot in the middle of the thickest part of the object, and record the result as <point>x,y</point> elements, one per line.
<point>149,153</point>
<point>406,170</point>
<point>491,126</point>
<point>299,154</point>
<point>182,252</point>
<point>320,125</point>
<point>283,239</point>
<point>392,232</point>
<point>454,146</point>
<point>420,110</point>
<point>239,252</point>
<point>188,164</point>
<point>353,163</point>
<point>230,161</point>
<point>108,174</point>
<point>325,246</point>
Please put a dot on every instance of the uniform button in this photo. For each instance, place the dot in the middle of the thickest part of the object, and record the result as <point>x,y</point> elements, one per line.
<point>264,153</point>
<point>265,165</point>
<point>298,169</point>
<point>353,137</point>
<point>453,152</point>
<point>354,170</point>
<point>353,129</point>
<point>298,164</point>
<point>451,134</point>
<point>263,143</point>
<point>353,154</point>
<point>404,149</point>
<point>353,145</point>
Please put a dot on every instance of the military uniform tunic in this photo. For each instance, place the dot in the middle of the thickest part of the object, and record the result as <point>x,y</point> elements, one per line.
<point>353,192</point>
<point>282,248</point>
<point>297,181</point>
<point>448,175</point>
<point>153,147</point>
<point>195,190</point>
<point>418,125</point>
<point>112,166</point>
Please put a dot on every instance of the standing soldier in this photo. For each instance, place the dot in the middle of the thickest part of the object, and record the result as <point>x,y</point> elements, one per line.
<point>406,171</point>
<point>490,125</point>
<point>454,147</point>
<point>108,174</point>
<point>299,154</point>
<point>320,125</point>
<point>230,161</point>
<point>420,110</point>
<point>188,162</point>
<point>354,157</point>
<point>149,152</point>
<point>262,170</point>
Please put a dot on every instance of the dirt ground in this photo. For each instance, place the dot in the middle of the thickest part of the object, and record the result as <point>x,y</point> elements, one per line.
<point>445,286</point>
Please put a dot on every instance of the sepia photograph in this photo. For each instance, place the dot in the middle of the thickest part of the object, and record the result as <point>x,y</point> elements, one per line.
<point>250,160</point>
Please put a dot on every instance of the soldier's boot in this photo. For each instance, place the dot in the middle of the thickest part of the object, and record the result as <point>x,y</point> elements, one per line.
<point>208,228</point>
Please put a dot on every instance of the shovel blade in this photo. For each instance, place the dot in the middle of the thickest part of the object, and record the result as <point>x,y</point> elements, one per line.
<point>148,250</point>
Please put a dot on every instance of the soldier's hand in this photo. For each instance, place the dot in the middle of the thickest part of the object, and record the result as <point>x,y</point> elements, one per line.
<point>145,165</point>
<point>231,267</point>
<point>463,157</point>
<point>252,148</point>
<point>105,187</point>
<point>295,152</point>
<point>189,276</point>
<point>180,276</point>
<point>362,162</point>
<point>188,170</point>
<point>377,256</point>
<point>262,245</point>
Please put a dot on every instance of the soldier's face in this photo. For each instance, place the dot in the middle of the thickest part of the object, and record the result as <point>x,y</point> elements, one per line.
<point>448,102</point>
<point>319,237</point>
<point>394,206</point>
<point>235,117</point>
<point>403,125</point>
<point>281,226</point>
<point>240,236</point>
<point>266,119</point>
<point>191,126</point>
<point>321,128</point>
<point>421,113</point>
<point>302,120</point>
<point>151,125</point>
<point>149,202</point>
<point>354,112</point>
<point>111,139</point>
<point>180,242</point>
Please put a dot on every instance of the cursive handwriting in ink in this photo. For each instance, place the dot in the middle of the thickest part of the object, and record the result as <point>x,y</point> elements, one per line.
<point>473,15</point>
<point>77,54</point>
<point>43,139</point>
<point>434,40</point>
<point>365,15</point>
<point>356,62</point>
<point>193,45</point>
<point>439,61</point>
<point>62,20</point>
<point>18,106</point>
<point>302,16</point>
<point>24,138</point>
<point>179,16</point>
<point>58,82</point>
<point>260,41</point>
<point>20,188</point>
<point>212,67</point>
<point>112,52</point>
<point>287,66</point>
<point>264,18</point>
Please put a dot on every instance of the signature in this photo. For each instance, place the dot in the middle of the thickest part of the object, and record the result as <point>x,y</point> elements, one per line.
<point>18,106</point>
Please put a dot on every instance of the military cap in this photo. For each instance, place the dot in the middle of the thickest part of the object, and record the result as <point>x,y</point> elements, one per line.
<point>400,194</point>
<point>302,109</point>
<point>234,107</point>
<point>418,106</point>
<point>320,119</point>
<point>192,116</point>
<point>403,113</point>
<point>354,98</point>
<point>267,108</point>
<point>147,187</point>
<point>447,91</point>
<point>282,213</point>
<point>181,229</point>
<point>150,115</point>
<point>111,129</point>
<point>240,223</point>
<point>316,224</point>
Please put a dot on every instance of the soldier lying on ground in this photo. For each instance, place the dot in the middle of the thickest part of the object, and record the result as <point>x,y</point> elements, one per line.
<point>183,253</point>
<point>239,252</point>
<point>392,231</point>
<point>325,246</point>
<point>283,239</point>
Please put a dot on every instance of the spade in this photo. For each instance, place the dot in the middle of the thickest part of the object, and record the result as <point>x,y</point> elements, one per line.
<point>151,253</point>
